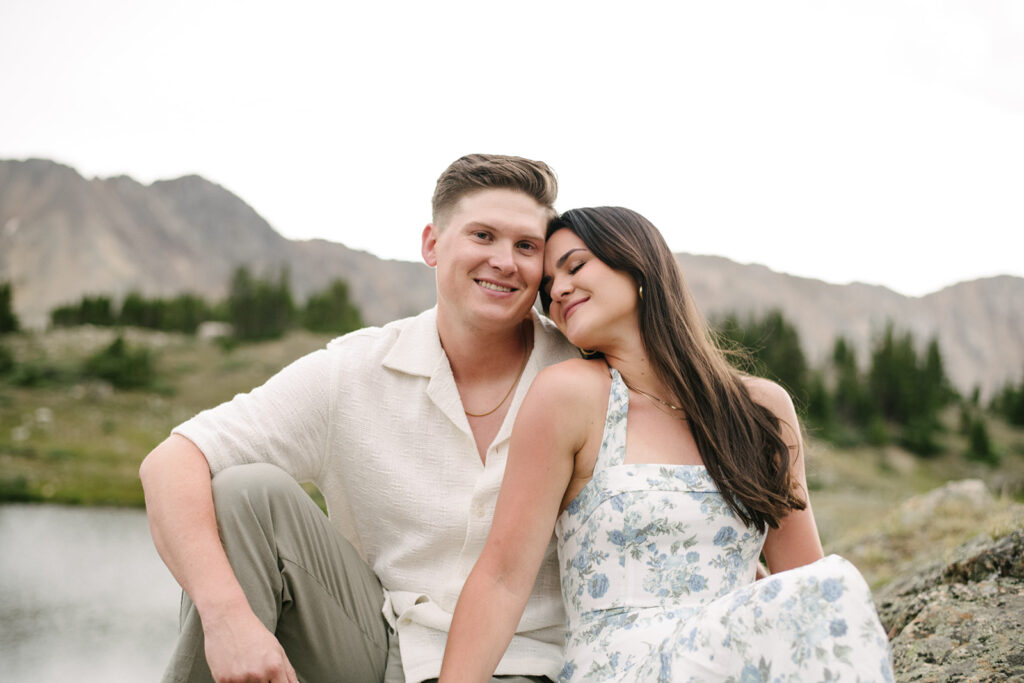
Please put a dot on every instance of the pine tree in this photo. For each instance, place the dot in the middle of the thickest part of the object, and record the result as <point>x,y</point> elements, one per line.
<point>979,445</point>
<point>332,311</point>
<point>853,404</point>
<point>8,320</point>
<point>257,308</point>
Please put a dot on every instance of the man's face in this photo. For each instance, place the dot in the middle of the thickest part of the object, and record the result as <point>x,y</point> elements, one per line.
<point>489,256</point>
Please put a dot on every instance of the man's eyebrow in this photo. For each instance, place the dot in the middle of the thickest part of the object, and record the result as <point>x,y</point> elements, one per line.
<point>562,259</point>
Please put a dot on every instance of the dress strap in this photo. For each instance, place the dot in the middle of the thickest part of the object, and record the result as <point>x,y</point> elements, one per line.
<point>613,442</point>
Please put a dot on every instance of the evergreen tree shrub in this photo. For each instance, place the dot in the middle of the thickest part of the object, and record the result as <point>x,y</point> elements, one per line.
<point>257,308</point>
<point>332,310</point>
<point>8,320</point>
<point>1009,403</point>
<point>979,446</point>
<point>123,366</point>
<point>6,361</point>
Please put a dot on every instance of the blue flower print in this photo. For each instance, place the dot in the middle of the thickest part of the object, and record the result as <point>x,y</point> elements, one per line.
<point>666,667</point>
<point>598,586</point>
<point>750,674</point>
<point>574,506</point>
<point>725,536</point>
<point>831,589</point>
<point>580,561</point>
<point>770,590</point>
<point>656,577</point>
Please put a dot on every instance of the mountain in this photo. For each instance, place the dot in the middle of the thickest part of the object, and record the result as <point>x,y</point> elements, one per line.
<point>63,236</point>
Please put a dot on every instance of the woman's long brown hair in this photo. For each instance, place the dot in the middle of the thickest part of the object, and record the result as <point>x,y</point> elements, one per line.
<point>739,440</point>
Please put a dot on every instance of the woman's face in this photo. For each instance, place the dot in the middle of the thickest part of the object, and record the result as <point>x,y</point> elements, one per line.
<point>590,301</point>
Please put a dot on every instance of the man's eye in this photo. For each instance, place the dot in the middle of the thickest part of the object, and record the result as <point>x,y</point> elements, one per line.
<point>528,246</point>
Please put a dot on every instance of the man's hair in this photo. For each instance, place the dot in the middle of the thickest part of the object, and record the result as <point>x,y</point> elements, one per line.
<point>475,172</point>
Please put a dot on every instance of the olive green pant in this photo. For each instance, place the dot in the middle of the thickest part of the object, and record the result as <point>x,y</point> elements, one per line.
<point>304,581</point>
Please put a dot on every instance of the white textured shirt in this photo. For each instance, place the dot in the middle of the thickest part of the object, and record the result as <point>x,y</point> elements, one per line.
<point>375,420</point>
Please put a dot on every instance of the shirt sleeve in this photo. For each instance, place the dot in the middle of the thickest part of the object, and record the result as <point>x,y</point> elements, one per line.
<point>283,422</point>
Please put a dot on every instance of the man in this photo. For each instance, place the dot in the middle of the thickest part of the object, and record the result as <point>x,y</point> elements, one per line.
<point>405,431</point>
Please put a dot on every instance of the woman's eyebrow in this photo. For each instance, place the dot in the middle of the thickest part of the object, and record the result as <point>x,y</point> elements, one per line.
<point>561,259</point>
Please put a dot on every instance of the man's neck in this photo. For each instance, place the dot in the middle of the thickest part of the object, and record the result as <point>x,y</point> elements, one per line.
<point>475,353</point>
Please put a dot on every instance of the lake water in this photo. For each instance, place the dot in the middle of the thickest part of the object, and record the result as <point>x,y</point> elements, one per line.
<point>83,596</point>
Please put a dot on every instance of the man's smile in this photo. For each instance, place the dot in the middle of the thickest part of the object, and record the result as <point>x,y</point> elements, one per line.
<point>494,286</point>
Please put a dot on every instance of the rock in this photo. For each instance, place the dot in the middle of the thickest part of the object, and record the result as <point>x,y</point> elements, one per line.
<point>967,493</point>
<point>961,620</point>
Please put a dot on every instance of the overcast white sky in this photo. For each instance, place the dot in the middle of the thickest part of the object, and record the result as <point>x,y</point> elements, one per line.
<point>880,141</point>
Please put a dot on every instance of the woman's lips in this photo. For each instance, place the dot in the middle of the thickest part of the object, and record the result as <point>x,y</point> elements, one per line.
<point>571,308</point>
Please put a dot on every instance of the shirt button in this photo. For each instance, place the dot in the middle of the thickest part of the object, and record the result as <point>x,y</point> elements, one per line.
<point>478,509</point>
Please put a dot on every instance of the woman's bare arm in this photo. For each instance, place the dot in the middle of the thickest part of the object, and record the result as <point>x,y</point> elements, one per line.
<point>796,541</point>
<point>539,468</point>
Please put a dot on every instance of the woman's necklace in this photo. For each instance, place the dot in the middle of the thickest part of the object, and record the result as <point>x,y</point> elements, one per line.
<point>674,408</point>
<point>508,393</point>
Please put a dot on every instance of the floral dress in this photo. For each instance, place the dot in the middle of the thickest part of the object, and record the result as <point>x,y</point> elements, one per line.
<point>658,583</point>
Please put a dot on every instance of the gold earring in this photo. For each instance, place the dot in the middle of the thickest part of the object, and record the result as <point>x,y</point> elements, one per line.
<point>641,292</point>
<point>587,353</point>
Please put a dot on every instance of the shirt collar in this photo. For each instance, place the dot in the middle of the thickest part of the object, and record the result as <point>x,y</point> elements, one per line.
<point>417,350</point>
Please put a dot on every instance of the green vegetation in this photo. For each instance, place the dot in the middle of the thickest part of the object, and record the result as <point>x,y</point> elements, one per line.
<point>332,311</point>
<point>1009,403</point>
<point>71,436</point>
<point>81,405</point>
<point>256,308</point>
<point>183,313</point>
<point>898,398</point>
<point>123,366</point>
<point>91,310</point>
<point>260,309</point>
<point>8,321</point>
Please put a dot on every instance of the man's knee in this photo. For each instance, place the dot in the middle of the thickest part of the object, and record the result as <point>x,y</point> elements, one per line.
<point>251,484</point>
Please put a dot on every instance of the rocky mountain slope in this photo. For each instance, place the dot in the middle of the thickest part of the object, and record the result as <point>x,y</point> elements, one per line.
<point>63,236</point>
<point>952,615</point>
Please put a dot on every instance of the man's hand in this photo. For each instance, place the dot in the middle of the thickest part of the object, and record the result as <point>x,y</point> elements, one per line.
<point>240,649</point>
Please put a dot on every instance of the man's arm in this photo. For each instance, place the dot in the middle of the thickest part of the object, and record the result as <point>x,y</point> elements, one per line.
<point>179,503</point>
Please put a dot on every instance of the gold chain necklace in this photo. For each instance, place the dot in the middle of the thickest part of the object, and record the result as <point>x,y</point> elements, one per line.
<point>526,356</point>
<point>674,408</point>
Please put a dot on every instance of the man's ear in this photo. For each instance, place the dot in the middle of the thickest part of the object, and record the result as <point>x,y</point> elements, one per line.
<point>429,247</point>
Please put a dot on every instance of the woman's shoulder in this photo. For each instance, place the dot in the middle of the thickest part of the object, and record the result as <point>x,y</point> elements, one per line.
<point>572,380</point>
<point>577,369</point>
<point>771,395</point>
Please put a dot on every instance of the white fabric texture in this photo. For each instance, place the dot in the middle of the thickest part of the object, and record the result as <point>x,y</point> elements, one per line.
<point>376,422</point>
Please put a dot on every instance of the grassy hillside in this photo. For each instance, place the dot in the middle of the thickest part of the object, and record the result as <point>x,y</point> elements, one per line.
<point>79,441</point>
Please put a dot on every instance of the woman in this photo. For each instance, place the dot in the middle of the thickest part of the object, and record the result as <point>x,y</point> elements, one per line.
<point>659,519</point>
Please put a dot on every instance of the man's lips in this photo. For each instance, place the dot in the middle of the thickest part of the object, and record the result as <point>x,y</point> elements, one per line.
<point>495,287</point>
